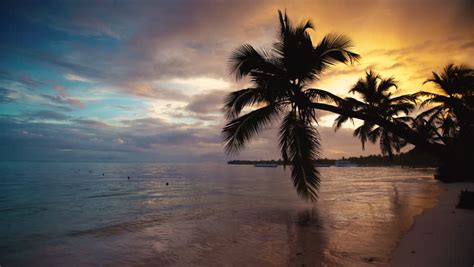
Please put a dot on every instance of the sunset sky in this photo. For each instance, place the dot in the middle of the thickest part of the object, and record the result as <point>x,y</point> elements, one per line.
<point>145,80</point>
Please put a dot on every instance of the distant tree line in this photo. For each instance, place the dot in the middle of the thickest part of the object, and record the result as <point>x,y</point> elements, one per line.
<point>412,158</point>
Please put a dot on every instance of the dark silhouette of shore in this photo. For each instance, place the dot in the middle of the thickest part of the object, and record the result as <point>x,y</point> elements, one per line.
<point>412,158</point>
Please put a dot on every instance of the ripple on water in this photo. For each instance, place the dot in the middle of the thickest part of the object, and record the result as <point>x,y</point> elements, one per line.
<point>54,214</point>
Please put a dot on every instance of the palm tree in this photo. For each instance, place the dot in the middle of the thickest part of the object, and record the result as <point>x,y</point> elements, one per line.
<point>452,109</point>
<point>451,113</point>
<point>280,80</point>
<point>376,93</point>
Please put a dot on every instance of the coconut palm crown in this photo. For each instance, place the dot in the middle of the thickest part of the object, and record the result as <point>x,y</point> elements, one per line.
<point>280,78</point>
<point>452,106</point>
<point>377,99</point>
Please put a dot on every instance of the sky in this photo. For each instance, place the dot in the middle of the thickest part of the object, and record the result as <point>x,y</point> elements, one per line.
<point>145,80</point>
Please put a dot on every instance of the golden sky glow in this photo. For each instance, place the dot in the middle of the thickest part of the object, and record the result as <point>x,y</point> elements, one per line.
<point>156,72</point>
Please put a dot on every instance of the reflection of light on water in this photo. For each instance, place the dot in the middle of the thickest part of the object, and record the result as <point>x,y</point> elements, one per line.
<point>207,215</point>
<point>369,215</point>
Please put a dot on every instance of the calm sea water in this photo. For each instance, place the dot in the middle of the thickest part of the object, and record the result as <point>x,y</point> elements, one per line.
<point>76,214</point>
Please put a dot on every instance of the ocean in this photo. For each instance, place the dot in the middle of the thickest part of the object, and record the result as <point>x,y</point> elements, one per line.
<point>83,214</point>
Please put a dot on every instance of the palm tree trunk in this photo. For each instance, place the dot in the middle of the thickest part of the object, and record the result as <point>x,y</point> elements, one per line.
<point>414,138</point>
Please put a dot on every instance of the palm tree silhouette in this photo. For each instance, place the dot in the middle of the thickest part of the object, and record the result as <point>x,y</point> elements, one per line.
<point>453,109</point>
<point>280,78</point>
<point>451,114</point>
<point>280,87</point>
<point>376,94</point>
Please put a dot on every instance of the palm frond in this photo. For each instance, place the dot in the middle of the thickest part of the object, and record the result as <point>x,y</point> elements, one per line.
<point>285,23</point>
<point>386,146</point>
<point>437,100</point>
<point>362,132</point>
<point>340,120</point>
<point>374,134</point>
<point>386,84</point>
<point>405,119</point>
<point>323,95</point>
<point>294,50</point>
<point>454,80</point>
<point>403,107</point>
<point>434,79</point>
<point>352,103</point>
<point>360,87</point>
<point>430,112</point>
<point>410,98</point>
<point>240,130</point>
<point>425,94</point>
<point>334,48</point>
<point>371,81</point>
<point>237,100</point>
<point>300,146</point>
<point>247,59</point>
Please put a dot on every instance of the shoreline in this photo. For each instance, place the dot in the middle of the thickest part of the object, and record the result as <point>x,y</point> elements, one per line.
<point>440,236</point>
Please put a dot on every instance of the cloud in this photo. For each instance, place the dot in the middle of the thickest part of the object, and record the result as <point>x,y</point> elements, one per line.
<point>468,45</point>
<point>147,139</point>
<point>6,95</point>
<point>76,18</point>
<point>47,115</point>
<point>210,102</point>
<point>122,107</point>
<point>163,67</point>
<point>83,69</point>
<point>148,89</point>
<point>159,48</point>
<point>22,96</point>
<point>92,123</point>
<point>141,139</point>
<point>77,78</point>
<point>20,78</point>
<point>60,99</point>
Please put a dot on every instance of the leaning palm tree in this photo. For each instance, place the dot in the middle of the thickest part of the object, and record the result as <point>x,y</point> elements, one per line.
<point>376,93</point>
<point>280,80</point>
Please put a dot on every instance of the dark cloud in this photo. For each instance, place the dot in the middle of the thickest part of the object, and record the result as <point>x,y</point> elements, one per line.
<point>92,123</point>
<point>74,17</point>
<point>77,67</point>
<point>47,115</point>
<point>140,139</point>
<point>169,39</point>
<point>147,138</point>
<point>136,47</point>
<point>211,102</point>
<point>64,100</point>
<point>21,78</point>
<point>6,95</point>
<point>465,14</point>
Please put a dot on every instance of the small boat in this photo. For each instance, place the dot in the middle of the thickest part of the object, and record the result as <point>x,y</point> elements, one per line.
<point>266,165</point>
<point>344,163</point>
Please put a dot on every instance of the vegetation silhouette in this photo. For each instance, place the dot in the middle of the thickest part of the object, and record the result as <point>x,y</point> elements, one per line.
<point>279,78</point>
<point>412,158</point>
<point>451,117</point>
<point>280,88</point>
<point>376,94</point>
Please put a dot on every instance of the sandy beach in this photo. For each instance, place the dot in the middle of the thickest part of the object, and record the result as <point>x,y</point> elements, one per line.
<point>441,236</point>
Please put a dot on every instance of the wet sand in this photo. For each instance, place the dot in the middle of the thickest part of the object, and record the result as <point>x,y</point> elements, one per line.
<point>441,236</point>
